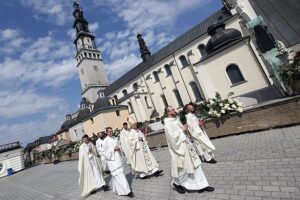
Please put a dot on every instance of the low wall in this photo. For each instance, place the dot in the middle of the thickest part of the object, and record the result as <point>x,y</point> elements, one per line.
<point>64,157</point>
<point>272,114</point>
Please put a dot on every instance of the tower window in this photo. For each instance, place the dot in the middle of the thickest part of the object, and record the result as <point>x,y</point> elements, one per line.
<point>94,55</point>
<point>98,56</point>
<point>234,74</point>
<point>96,68</point>
<point>168,70</point>
<point>202,50</point>
<point>85,54</point>
<point>90,55</point>
<point>178,98</point>
<point>156,77</point>
<point>196,91</point>
<point>82,71</point>
<point>183,61</point>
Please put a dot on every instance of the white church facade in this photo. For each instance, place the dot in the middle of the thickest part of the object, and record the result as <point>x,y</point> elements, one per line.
<point>227,52</point>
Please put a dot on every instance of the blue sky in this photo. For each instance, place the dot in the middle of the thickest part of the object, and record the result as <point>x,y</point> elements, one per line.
<point>39,83</point>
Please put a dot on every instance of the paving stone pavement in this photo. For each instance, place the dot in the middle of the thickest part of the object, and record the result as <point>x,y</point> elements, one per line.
<point>263,165</point>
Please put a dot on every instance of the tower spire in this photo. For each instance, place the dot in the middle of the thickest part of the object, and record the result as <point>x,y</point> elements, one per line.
<point>80,24</point>
<point>145,53</point>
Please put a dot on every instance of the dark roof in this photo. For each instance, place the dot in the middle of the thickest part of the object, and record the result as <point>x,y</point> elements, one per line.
<point>45,139</point>
<point>163,53</point>
<point>101,103</point>
<point>10,147</point>
<point>282,17</point>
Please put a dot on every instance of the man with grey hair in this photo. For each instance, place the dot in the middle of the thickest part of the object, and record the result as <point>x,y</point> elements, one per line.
<point>185,163</point>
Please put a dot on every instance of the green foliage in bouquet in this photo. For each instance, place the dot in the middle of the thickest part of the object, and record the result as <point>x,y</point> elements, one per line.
<point>290,75</point>
<point>116,132</point>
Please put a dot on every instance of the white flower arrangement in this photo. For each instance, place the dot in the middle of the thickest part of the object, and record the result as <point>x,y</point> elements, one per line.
<point>216,107</point>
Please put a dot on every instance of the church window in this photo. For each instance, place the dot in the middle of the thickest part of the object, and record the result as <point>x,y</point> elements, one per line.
<point>75,134</point>
<point>130,107</point>
<point>118,113</point>
<point>202,50</point>
<point>168,70</point>
<point>178,98</point>
<point>125,92</point>
<point>116,98</point>
<point>92,120</point>
<point>98,56</point>
<point>82,71</point>
<point>146,100</point>
<point>90,55</point>
<point>163,97</point>
<point>94,55</point>
<point>85,54</point>
<point>96,68</point>
<point>183,61</point>
<point>135,87</point>
<point>196,91</point>
<point>234,74</point>
<point>155,74</point>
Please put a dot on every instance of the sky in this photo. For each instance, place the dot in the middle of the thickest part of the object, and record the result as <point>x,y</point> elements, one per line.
<point>39,82</point>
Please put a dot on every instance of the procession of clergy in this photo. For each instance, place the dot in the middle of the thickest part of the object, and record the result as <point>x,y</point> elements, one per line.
<point>188,145</point>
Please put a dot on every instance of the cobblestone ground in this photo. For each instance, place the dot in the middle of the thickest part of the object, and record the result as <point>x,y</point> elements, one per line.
<point>263,165</point>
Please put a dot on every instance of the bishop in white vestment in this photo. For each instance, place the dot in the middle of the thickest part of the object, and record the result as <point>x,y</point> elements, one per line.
<point>143,162</point>
<point>185,163</point>
<point>124,140</point>
<point>200,138</point>
<point>89,167</point>
<point>112,155</point>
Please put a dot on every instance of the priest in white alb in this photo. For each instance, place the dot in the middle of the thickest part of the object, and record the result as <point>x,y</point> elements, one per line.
<point>201,140</point>
<point>113,158</point>
<point>99,146</point>
<point>89,167</point>
<point>124,141</point>
<point>185,163</point>
<point>143,163</point>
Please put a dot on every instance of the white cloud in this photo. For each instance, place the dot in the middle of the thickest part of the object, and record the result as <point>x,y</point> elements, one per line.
<point>25,102</point>
<point>12,41</point>
<point>122,65</point>
<point>93,27</point>
<point>30,131</point>
<point>57,11</point>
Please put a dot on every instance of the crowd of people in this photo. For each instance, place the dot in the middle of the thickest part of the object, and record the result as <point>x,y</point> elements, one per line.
<point>188,145</point>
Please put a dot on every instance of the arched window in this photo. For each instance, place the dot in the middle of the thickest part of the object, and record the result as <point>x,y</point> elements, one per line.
<point>118,113</point>
<point>168,70</point>
<point>85,54</point>
<point>163,97</point>
<point>156,78</point>
<point>90,55</point>
<point>135,87</point>
<point>178,97</point>
<point>234,74</point>
<point>183,61</point>
<point>202,50</point>
<point>130,107</point>
<point>146,100</point>
<point>124,92</point>
<point>116,98</point>
<point>196,91</point>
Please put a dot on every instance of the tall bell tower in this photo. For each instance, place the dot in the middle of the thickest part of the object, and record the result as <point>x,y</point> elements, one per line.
<point>89,61</point>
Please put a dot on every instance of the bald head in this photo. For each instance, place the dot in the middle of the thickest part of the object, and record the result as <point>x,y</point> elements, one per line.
<point>170,111</point>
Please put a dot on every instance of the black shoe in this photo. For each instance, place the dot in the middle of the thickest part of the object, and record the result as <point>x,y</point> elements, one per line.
<point>207,189</point>
<point>212,161</point>
<point>179,188</point>
<point>145,177</point>
<point>130,194</point>
<point>158,172</point>
<point>106,188</point>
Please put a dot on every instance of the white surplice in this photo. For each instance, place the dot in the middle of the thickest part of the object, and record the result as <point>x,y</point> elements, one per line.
<point>185,163</point>
<point>124,140</point>
<point>99,146</point>
<point>114,162</point>
<point>143,162</point>
<point>90,172</point>
<point>201,140</point>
